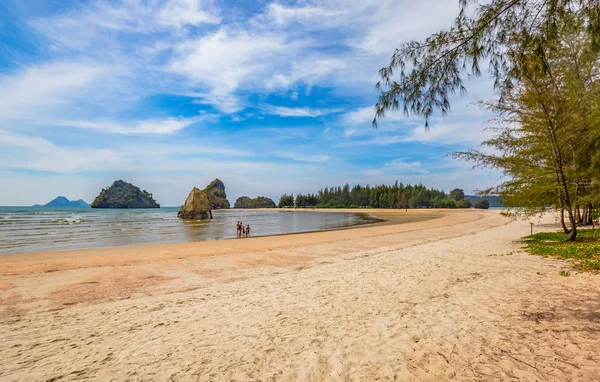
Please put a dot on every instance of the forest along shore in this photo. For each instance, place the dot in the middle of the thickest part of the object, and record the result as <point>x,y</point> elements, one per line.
<point>447,298</point>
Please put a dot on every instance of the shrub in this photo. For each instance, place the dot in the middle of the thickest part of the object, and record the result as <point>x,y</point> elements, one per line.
<point>482,204</point>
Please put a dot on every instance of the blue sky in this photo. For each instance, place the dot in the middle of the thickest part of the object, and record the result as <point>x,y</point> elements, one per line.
<point>270,97</point>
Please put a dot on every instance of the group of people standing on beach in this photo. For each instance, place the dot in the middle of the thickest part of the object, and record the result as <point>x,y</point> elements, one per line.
<point>243,231</point>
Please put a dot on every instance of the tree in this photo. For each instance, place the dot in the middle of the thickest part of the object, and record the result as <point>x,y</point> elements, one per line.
<point>381,196</point>
<point>463,204</point>
<point>124,195</point>
<point>457,194</point>
<point>286,201</point>
<point>482,204</point>
<point>548,127</point>
<point>258,202</point>
<point>440,64</point>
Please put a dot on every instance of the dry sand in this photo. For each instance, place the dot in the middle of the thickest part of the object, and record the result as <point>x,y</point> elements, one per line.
<point>448,298</point>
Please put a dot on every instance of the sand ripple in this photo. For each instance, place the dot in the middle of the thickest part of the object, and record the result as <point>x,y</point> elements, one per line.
<point>447,301</point>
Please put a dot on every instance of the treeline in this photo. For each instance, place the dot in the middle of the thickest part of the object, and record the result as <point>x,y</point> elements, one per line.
<point>258,202</point>
<point>397,195</point>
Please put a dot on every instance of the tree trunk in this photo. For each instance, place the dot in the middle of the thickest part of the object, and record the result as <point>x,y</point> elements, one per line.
<point>562,221</point>
<point>572,222</point>
<point>573,233</point>
<point>590,219</point>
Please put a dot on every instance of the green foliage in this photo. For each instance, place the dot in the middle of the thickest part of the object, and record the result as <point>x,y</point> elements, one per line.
<point>494,200</point>
<point>216,195</point>
<point>382,196</point>
<point>584,251</point>
<point>258,202</point>
<point>124,195</point>
<point>463,204</point>
<point>286,201</point>
<point>483,204</point>
<point>457,194</point>
<point>422,75</point>
<point>547,126</point>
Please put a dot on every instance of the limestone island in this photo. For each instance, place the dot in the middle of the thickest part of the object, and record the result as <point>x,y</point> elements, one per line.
<point>196,206</point>
<point>124,195</point>
<point>200,203</point>
<point>215,191</point>
<point>258,202</point>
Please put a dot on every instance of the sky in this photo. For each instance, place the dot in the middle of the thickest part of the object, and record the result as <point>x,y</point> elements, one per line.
<point>270,97</point>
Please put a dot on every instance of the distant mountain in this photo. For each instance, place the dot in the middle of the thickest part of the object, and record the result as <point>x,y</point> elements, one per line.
<point>495,201</point>
<point>61,201</point>
<point>124,195</point>
<point>216,195</point>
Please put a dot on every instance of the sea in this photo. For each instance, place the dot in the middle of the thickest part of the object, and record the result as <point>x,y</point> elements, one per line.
<point>34,229</point>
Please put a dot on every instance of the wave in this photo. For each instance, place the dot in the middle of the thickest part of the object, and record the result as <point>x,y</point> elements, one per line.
<point>34,231</point>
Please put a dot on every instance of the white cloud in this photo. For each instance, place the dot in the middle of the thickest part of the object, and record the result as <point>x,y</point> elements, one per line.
<point>392,22</point>
<point>38,91</point>
<point>111,56</point>
<point>360,116</point>
<point>160,127</point>
<point>180,13</point>
<point>283,111</point>
<point>35,153</point>
<point>365,115</point>
<point>283,15</point>
<point>26,152</point>
<point>226,60</point>
<point>455,133</point>
<point>303,157</point>
<point>308,70</point>
<point>130,16</point>
<point>396,168</point>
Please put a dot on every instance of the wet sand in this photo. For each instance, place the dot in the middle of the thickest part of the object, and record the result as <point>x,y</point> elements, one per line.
<point>448,298</point>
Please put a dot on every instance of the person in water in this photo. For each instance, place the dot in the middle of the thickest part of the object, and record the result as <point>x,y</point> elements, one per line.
<point>248,230</point>
<point>239,229</point>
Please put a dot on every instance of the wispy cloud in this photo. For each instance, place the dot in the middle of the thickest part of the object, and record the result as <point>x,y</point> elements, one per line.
<point>160,127</point>
<point>129,17</point>
<point>222,62</point>
<point>283,111</point>
<point>397,168</point>
<point>172,93</point>
<point>303,157</point>
<point>42,90</point>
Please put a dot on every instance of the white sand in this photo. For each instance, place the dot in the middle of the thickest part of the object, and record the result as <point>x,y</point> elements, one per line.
<point>451,298</point>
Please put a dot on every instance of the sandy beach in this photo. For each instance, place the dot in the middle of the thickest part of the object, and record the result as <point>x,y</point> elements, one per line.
<point>452,297</point>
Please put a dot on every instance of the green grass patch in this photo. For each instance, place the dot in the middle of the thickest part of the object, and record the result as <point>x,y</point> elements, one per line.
<point>584,251</point>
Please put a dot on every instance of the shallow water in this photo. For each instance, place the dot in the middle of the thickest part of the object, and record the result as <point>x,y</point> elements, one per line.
<point>29,229</point>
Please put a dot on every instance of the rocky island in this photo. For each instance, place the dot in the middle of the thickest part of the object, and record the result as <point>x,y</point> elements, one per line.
<point>196,206</point>
<point>215,191</point>
<point>200,203</point>
<point>124,195</point>
<point>258,202</point>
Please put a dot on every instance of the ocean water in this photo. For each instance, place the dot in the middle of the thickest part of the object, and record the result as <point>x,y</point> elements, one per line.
<point>29,229</point>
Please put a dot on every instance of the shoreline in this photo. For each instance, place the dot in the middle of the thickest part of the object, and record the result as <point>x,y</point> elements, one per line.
<point>376,218</point>
<point>453,298</point>
<point>51,262</point>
